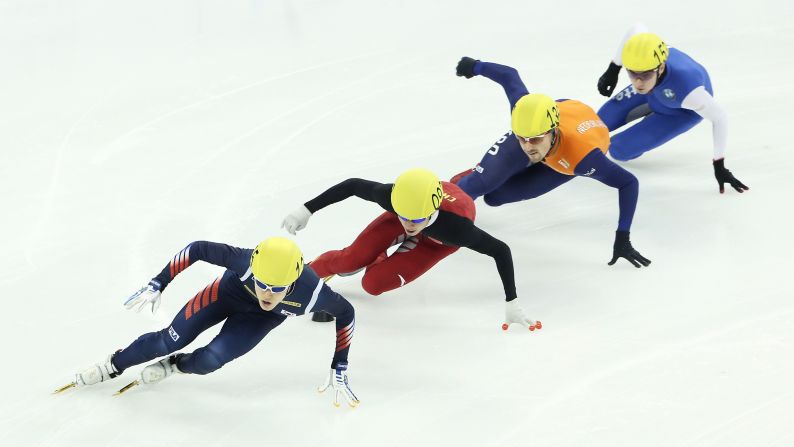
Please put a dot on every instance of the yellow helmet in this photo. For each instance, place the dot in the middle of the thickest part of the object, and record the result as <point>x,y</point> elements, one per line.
<point>643,52</point>
<point>277,261</point>
<point>417,193</point>
<point>534,114</point>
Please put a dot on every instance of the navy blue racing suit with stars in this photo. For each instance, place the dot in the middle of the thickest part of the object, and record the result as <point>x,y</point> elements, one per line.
<point>231,297</point>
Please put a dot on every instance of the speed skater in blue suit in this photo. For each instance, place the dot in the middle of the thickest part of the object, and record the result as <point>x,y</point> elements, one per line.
<point>259,289</point>
<point>669,94</point>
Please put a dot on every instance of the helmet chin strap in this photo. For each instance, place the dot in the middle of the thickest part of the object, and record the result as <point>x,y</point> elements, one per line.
<point>433,218</point>
<point>659,76</point>
<point>554,141</point>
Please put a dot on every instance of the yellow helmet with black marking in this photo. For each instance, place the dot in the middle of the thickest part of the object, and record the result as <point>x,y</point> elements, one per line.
<point>417,193</point>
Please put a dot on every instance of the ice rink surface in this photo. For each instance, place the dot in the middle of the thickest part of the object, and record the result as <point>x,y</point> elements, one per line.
<point>129,129</point>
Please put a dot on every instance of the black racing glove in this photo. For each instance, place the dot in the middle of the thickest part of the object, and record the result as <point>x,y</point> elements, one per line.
<point>724,176</point>
<point>623,249</point>
<point>608,80</point>
<point>465,67</point>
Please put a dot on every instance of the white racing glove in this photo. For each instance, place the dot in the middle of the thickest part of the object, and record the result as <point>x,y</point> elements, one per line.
<point>296,220</point>
<point>515,314</point>
<point>337,379</point>
<point>148,294</point>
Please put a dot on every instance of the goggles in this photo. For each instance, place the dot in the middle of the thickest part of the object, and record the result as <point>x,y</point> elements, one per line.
<point>416,221</point>
<point>266,287</point>
<point>643,76</point>
<point>537,139</point>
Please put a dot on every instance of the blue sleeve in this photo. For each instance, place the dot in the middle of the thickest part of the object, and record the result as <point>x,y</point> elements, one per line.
<point>599,167</point>
<point>233,258</point>
<point>503,160</point>
<point>336,305</point>
<point>505,76</point>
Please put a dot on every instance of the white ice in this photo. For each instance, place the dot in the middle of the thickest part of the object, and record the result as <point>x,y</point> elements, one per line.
<point>129,129</point>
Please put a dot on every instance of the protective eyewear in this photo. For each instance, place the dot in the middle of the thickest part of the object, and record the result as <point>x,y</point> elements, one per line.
<point>416,221</point>
<point>643,76</point>
<point>266,287</point>
<point>537,139</point>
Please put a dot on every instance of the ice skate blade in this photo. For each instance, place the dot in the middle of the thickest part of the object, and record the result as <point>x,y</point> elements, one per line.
<point>132,384</point>
<point>65,387</point>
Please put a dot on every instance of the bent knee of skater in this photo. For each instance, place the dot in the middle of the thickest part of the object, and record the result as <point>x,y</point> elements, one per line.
<point>166,343</point>
<point>621,154</point>
<point>206,361</point>
<point>492,200</point>
<point>372,287</point>
<point>376,284</point>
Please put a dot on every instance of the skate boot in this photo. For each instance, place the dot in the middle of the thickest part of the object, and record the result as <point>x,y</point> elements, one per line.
<point>159,370</point>
<point>153,373</point>
<point>100,372</point>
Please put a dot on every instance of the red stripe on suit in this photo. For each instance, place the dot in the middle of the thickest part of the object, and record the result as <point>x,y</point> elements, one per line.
<point>189,307</point>
<point>205,296</point>
<point>215,286</point>
<point>344,336</point>
<point>208,295</point>
<point>185,260</point>
<point>197,301</point>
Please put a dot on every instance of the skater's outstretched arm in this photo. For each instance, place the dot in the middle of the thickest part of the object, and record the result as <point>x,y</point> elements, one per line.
<point>233,258</point>
<point>336,305</point>
<point>503,75</point>
<point>368,190</point>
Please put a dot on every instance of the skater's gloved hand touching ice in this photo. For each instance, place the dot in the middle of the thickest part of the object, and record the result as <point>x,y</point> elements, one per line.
<point>724,176</point>
<point>337,378</point>
<point>623,249</point>
<point>515,314</point>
